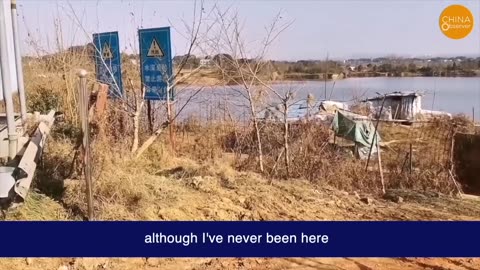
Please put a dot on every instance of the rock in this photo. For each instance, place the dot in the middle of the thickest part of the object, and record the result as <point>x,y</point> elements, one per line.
<point>339,203</point>
<point>62,267</point>
<point>367,200</point>
<point>133,261</point>
<point>195,182</point>
<point>28,261</point>
<point>330,203</point>
<point>241,200</point>
<point>228,183</point>
<point>250,204</point>
<point>154,261</point>
<point>91,263</point>
<point>393,197</point>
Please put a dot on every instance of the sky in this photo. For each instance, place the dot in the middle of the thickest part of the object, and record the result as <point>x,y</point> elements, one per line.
<point>342,29</point>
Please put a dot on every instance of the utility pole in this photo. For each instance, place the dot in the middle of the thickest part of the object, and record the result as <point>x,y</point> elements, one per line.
<point>326,75</point>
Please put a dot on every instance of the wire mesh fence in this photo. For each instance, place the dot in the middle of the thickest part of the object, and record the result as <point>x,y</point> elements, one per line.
<point>416,156</point>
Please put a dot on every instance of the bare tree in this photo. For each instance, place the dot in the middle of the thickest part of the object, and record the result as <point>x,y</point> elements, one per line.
<point>284,99</point>
<point>243,67</point>
<point>139,103</point>
<point>194,38</point>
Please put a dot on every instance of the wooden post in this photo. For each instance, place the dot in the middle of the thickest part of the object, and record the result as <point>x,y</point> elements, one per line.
<point>404,162</point>
<point>170,116</point>
<point>326,76</point>
<point>172,126</point>
<point>224,112</point>
<point>150,116</point>
<point>433,100</point>
<point>84,98</point>
<point>452,163</point>
<point>100,108</point>
<point>410,159</point>
<point>380,166</point>
<point>375,133</point>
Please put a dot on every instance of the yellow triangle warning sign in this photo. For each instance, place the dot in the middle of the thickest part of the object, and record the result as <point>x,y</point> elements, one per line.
<point>107,52</point>
<point>155,50</point>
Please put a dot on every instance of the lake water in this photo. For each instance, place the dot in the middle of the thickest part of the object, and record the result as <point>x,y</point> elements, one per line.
<point>453,95</point>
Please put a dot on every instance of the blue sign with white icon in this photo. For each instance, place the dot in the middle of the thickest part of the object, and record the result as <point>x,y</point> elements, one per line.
<point>108,62</point>
<point>156,62</point>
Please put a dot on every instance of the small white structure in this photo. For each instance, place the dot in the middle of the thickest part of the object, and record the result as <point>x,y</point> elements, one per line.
<point>433,114</point>
<point>301,110</point>
<point>397,106</point>
<point>206,62</point>
<point>332,106</point>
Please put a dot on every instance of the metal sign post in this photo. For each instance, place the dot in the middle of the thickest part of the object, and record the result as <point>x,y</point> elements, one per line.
<point>156,63</point>
<point>156,69</point>
<point>84,98</point>
<point>108,62</point>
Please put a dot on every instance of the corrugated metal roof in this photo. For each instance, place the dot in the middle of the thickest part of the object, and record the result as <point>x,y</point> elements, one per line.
<point>396,94</point>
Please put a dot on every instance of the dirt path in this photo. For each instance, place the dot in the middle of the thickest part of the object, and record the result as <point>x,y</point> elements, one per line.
<point>245,264</point>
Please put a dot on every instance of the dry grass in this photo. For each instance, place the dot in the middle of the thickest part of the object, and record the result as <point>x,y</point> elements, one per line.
<point>133,189</point>
<point>431,153</point>
<point>164,186</point>
<point>39,207</point>
<point>51,82</point>
<point>314,157</point>
<point>194,185</point>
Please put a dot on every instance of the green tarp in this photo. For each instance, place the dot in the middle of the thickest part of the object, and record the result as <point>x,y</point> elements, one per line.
<point>356,128</point>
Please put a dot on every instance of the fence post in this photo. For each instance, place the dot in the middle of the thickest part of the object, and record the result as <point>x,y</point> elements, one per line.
<point>84,98</point>
<point>375,133</point>
<point>410,157</point>
<point>379,157</point>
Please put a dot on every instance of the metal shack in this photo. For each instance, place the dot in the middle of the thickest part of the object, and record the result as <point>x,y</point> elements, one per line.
<point>398,105</point>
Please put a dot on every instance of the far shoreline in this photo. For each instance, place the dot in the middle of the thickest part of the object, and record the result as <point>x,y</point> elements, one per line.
<point>211,81</point>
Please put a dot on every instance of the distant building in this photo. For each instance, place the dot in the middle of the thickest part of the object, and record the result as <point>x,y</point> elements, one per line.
<point>206,62</point>
<point>402,106</point>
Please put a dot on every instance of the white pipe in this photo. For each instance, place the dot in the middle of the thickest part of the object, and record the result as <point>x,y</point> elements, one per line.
<point>18,64</point>
<point>7,82</point>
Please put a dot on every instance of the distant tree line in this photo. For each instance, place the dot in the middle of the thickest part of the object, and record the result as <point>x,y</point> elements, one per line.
<point>308,67</point>
<point>436,66</point>
<point>467,67</point>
